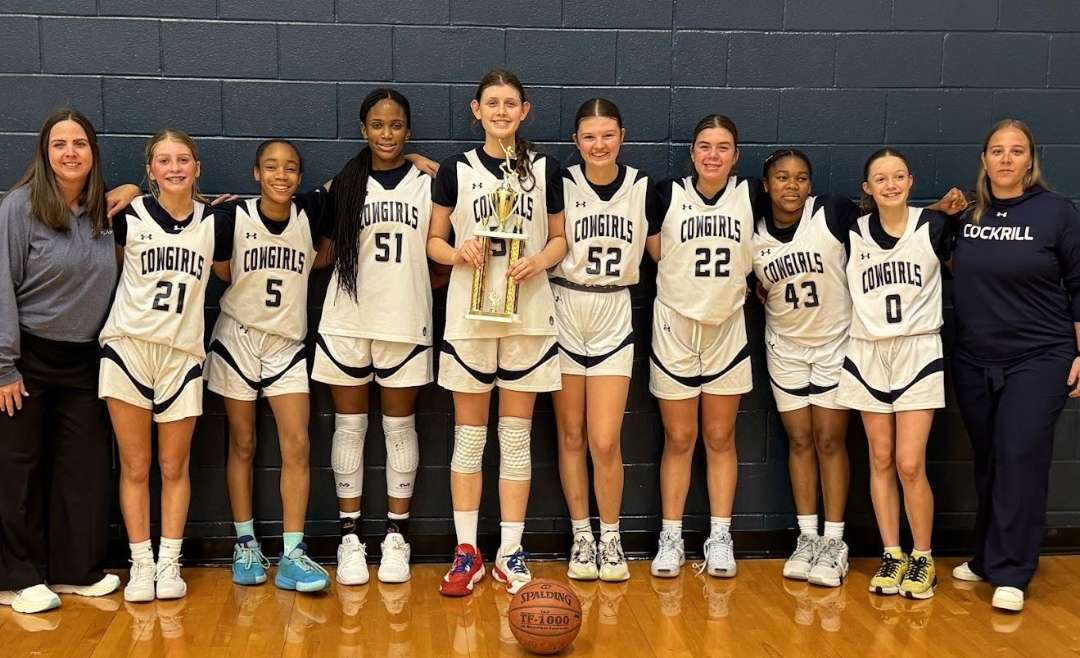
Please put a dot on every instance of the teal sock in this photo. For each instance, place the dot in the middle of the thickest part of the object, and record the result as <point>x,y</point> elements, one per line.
<point>292,540</point>
<point>245,528</point>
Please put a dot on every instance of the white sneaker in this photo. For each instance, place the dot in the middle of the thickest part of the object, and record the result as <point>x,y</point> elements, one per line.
<point>670,555</point>
<point>964,572</point>
<point>103,587</point>
<point>719,556</point>
<point>169,583</point>
<point>394,563</point>
<point>613,567</point>
<point>797,567</point>
<point>352,566</point>
<point>1008,598</point>
<point>140,587</point>
<point>583,559</point>
<point>38,598</point>
<point>830,564</point>
<point>511,570</point>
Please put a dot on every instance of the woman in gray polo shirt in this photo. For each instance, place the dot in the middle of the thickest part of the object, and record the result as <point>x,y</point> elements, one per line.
<point>57,275</point>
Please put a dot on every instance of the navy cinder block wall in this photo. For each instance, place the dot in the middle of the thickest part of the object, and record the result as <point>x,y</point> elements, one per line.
<point>835,77</point>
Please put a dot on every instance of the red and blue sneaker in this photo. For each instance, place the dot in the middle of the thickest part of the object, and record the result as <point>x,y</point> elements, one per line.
<point>467,570</point>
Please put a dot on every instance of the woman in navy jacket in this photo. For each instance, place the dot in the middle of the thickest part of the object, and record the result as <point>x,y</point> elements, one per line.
<point>1017,300</point>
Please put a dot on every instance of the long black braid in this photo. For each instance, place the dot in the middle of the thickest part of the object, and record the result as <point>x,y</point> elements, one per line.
<point>350,192</point>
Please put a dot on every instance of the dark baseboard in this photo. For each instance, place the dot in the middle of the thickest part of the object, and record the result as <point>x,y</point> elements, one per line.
<point>427,548</point>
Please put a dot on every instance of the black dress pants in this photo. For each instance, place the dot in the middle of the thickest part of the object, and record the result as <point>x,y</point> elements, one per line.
<point>1010,414</point>
<point>55,457</point>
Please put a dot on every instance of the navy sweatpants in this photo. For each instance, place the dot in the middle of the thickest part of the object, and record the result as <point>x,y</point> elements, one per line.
<point>1010,415</point>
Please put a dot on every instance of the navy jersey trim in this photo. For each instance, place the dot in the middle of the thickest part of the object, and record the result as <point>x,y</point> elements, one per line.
<point>514,375</point>
<point>482,377</point>
<point>803,391</point>
<point>218,348</point>
<point>299,357</point>
<point>890,397</point>
<point>109,353</point>
<point>592,361</point>
<point>698,381</point>
<point>384,373</point>
<point>353,371</point>
<point>192,375</point>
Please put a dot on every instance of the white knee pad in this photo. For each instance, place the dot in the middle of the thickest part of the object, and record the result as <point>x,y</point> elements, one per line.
<point>347,454</point>
<point>469,443</point>
<point>515,462</point>
<point>402,455</point>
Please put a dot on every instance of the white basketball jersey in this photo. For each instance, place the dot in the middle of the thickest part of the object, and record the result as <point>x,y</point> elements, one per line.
<point>705,251</point>
<point>163,282</point>
<point>605,239</point>
<point>536,305</point>
<point>894,292</point>
<point>270,273</point>
<point>807,298</point>
<point>393,291</point>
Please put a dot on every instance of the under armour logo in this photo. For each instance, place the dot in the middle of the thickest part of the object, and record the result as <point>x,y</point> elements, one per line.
<point>667,327</point>
<point>250,236</point>
<point>766,252</point>
<point>1003,213</point>
<point>478,186</point>
<point>146,236</point>
<point>579,204</point>
<point>687,206</point>
<point>864,256</point>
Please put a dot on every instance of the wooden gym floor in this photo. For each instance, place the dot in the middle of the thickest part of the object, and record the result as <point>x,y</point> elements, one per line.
<point>756,614</point>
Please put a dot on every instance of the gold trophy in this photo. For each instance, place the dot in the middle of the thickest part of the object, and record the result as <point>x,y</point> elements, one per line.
<point>505,224</point>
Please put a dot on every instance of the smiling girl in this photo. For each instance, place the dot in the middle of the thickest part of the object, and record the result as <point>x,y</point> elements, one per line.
<point>376,326</point>
<point>258,348</point>
<point>893,371</point>
<point>519,358</point>
<point>609,208</point>
<point>700,363</point>
<point>152,351</point>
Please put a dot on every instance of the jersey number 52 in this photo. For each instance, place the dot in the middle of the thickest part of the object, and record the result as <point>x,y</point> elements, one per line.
<point>598,264</point>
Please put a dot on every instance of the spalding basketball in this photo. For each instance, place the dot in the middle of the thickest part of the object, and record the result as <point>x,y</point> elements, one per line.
<point>545,616</point>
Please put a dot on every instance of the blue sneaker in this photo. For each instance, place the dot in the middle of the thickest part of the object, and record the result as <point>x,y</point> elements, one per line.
<point>299,572</point>
<point>249,564</point>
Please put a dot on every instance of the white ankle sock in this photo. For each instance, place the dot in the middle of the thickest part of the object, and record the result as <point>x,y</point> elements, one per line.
<point>465,525</point>
<point>719,525</point>
<point>834,530</point>
<point>170,548</point>
<point>580,527</point>
<point>608,528</point>
<point>510,533</point>
<point>808,524</point>
<point>142,551</point>
<point>671,525</point>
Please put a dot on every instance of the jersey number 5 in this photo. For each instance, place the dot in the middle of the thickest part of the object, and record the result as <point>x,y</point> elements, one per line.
<point>273,293</point>
<point>610,267</point>
<point>720,258</point>
<point>165,291</point>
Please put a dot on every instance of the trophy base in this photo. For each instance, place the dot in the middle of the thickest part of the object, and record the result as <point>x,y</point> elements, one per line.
<point>498,235</point>
<point>505,318</point>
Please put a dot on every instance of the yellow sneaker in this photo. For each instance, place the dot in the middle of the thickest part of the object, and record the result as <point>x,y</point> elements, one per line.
<point>920,579</point>
<point>890,574</point>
